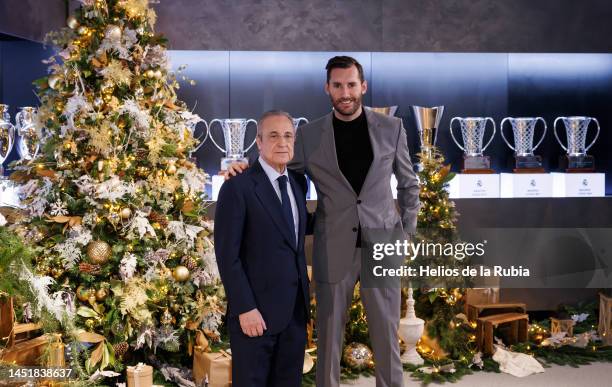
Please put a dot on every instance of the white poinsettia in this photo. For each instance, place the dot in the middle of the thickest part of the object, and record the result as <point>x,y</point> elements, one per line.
<point>183,232</point>
<point>141,118</point>
<point>127,267</point>
<point>193,180</point>
<point>114,189</point>
<point>140,224</point>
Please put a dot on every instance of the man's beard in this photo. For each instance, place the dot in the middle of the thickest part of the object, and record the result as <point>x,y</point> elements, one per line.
<point>347,111</point>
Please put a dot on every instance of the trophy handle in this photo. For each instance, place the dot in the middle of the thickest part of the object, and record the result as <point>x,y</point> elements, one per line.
<point>205,136</point>
<point>10,144</point>
<point>501,130</point>
<point>211,136</point>
<point>254,139</point>
<point>555,132</point>
<point>596,134</point>
<point>298,120</point>
<point>492,134</point>
<point>543,133</point>
<point>451,132</point>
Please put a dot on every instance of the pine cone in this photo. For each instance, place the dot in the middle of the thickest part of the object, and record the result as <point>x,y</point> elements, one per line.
<point>86,267</point>
<point>159,218</point>
<point>189,262</point>
<point>120,348</point>
<point>142,154</point>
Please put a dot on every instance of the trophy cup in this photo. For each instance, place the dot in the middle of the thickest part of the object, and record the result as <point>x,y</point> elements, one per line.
<point>28,140</point>
<point>296,121</point>
<point>387,110</point>
<point>524,129</point>
<point>427,121</point>
<point>191,127</point>
<point>234,130</point>
<point>7,137</point>
<point>576,128</point>
<point>473,131</point>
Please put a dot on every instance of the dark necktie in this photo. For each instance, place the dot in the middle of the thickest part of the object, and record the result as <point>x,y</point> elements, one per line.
<point>285,203</point>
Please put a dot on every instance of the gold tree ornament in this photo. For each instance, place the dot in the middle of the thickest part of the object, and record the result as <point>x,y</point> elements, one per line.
<point>180,273</point>
<point>72,23</point>
<point>358,356</point>
<point>54,81</point>
<point>125,213</point>
<point>101,294</point>
<point>83,293</point>
<point>113,32</point>
<point>98,252</point>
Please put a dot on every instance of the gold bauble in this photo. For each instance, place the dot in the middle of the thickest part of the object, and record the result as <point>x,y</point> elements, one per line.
<point>98,103</point>
<point>166,318</point>
<point>358,356</point>
<point>113,32</point>
<point>90,323</point>
<point>82,293</point>
<point>101,294</point>
<point>82,30</point>
<point>157,74</point>
<point>181,273</point>
<point>149,73</point>
<point>54,81</point>
<point>171,170</point>
<point>98,252</point>
<point>125,213</point>
<point>72,22</point>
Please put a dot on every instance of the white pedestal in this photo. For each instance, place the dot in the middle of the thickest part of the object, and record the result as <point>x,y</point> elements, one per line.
<point>217,182</point>
<point>579,184</point>
<point>526,185</point>
<point>466,185</point>
<point>8,194</point>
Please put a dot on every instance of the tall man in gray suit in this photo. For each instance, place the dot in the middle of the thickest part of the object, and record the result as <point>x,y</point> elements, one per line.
<point>350,155</point>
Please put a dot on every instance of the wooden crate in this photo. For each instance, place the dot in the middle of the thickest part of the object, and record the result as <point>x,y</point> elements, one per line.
<point>558,326</point>
<point>484,329</point>
<point>474,311</point>
<point>605,319</point>
<point>23,343</point>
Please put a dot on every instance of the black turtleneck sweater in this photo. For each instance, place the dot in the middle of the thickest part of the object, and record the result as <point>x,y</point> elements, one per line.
<point>353,149</point>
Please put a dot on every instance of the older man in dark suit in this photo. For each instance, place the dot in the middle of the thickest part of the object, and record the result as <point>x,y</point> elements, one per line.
<point>260,222</point>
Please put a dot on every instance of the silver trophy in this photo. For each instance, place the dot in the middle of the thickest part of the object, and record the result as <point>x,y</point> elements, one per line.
<point>191,126</point>
<point>296,121</point>
<point>28,139</point>
<point>427,121</point>
<point>472,132</point>
<point>524,130</point>
<point>7,136</point>
<point>234,130</point>
<point>576,128</point>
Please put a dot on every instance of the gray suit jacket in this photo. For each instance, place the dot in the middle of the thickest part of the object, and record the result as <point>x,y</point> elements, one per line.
<point>339,209</point>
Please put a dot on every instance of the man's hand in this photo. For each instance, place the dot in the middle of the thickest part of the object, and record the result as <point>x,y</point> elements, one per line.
<point>234,169</point>
<point>252,323</point>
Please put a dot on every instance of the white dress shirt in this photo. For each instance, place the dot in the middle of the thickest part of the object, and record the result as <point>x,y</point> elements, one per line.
<point>273,175</point>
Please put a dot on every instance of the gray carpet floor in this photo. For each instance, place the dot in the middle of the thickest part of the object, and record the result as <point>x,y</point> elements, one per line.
<point>594,375</point>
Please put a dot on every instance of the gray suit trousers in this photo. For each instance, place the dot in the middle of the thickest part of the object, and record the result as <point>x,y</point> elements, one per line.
<point>382,306</point>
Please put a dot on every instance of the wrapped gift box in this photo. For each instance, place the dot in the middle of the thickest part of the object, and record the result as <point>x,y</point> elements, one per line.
<point>216,367</point>
<point>140,375</point>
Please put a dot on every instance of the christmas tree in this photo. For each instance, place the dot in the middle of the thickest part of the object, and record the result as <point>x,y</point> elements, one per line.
<point>115,213</point>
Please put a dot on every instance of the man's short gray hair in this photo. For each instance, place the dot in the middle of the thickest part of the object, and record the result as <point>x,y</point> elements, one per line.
<point>273,113</point>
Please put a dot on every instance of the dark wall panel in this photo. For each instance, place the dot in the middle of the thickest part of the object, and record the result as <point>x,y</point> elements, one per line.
<point>291,81</point>
<point>465,84</point>
<point>552,85</point>
<point>21,63</point>
<point>209,97</point>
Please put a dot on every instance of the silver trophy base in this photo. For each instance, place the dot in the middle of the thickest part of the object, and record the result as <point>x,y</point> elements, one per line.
<point>227,161</point>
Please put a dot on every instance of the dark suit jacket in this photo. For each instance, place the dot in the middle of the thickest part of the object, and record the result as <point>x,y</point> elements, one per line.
<point>259,262</point>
